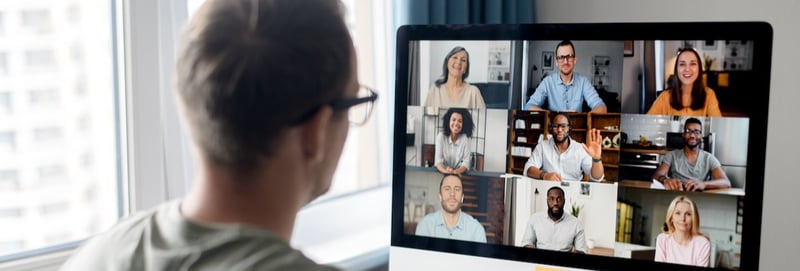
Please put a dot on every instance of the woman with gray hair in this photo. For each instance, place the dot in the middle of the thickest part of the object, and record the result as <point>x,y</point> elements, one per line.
<point>451,89</point>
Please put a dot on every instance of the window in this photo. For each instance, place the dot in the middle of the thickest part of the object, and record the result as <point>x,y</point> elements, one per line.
<point>2,24</point>
<point>62,72</point>
<point>47,134</point>
<point>59,207</point>
<point>49,173</point>
<point>5,102</point>
<point>37,20</point>
<point>8,141</point>
<point>43,97</point>
<point>10,213</point>
<point>40,58</point>
<point>3,56</point>
<point>9,180</point>
<point>11,246</point>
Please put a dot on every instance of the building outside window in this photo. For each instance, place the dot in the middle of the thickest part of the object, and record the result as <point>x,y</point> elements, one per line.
<point>44,98</point>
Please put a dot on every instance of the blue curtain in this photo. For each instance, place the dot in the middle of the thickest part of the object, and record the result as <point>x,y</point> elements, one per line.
<point>464,11</point>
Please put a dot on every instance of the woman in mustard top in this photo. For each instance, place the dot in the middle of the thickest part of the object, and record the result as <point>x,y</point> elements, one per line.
<point>693,98</point>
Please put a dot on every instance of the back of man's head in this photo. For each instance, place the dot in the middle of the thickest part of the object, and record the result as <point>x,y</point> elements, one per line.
<point>248,69</point>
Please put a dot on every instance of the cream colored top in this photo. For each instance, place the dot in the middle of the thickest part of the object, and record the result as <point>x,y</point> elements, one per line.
<point>661,106</point>
<point>469,98</point>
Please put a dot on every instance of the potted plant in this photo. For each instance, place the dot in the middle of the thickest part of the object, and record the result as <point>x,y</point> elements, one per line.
<point>707,62</point>
<point>575,209</point>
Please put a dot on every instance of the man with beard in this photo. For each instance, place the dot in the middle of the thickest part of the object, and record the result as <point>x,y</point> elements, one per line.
<point>688,169</point>
<point>555,229</point>
<point>566,90</point>
<point>562,159</point>
<point>451,222</point>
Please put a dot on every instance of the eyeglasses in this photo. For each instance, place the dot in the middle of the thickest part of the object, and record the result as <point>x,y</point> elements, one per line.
<point>564,58</point>
<point>358,108</point>
<point>695,131</point>
<point>559,126</point>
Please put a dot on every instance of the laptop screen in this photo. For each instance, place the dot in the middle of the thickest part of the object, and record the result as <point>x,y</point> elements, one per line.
<point>592,146</point>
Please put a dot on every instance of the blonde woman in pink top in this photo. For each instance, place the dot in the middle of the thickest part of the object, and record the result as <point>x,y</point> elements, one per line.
<point>682,243</point>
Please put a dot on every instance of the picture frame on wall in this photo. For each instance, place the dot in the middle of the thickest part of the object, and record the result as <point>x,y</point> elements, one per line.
<point>627,48</point>
<point>586,191</point>
<point>547,60</point>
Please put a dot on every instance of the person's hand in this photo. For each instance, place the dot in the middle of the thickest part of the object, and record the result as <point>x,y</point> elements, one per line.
<point>694,185</point>
<point>551,176</point>
<point>450,170</point>
<point>673,184</point>
<point>594,144</point>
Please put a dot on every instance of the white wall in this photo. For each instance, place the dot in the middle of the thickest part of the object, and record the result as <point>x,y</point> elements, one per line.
<point>631,85</point>
<point>496,140</point>
<point>780,219</point>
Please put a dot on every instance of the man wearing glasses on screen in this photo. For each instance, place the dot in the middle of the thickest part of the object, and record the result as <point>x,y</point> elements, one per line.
<point>566,90</point>
<point>560,158</point>
<point>268,90</point>
<point>688,169</point>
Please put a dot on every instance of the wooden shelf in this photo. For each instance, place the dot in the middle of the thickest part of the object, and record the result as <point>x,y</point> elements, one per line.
<point>582,123</point>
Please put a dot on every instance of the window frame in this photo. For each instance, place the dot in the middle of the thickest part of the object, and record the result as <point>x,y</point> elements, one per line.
<point>156,165</point>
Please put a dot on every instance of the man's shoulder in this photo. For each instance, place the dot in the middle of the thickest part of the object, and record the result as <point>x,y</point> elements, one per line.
<point>708,155</point>
<point>553,78</point>
<point>539,216</point>
<point>431,218</point>
<point>469,219</point>
<point>674,153</point>
<point>579,76</point>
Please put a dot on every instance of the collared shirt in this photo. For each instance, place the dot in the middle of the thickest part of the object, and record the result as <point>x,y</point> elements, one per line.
<point>561,235</point>
<point>681,169</point>
<point>453,154</point>
<point>562,96</point>
<point>570,165</point>
<point>467,228</point>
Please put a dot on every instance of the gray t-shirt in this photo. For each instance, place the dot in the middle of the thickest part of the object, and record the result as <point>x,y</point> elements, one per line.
<point>163,239</point>
<point>681,169</point>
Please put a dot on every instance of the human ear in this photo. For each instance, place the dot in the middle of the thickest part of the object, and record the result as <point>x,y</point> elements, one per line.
<point>313,134</point>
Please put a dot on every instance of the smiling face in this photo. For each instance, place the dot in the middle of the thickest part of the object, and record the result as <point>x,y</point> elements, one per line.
<point>683,217</point>
<point>457,64</point>
<point>456,123</point>
<point>555,203</point>
<point>568,64</point>
<point>560,129</point>
<point>451,194</point>
<point>687,67</point>
<point>692,135</point>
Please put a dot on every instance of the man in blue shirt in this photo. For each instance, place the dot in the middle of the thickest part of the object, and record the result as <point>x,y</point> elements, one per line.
<point>451,222</point>
<point>566,90</point>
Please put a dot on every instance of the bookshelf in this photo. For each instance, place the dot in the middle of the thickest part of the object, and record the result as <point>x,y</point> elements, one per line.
<point>527,126</point>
